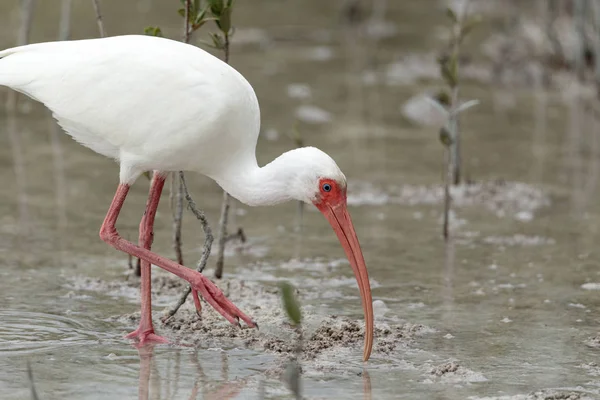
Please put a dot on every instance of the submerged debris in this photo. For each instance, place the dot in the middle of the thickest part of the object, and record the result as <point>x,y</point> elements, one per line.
<point>591,286</point>
<point>519,240</point>
<point>443,369</point>
<point>452,372</point>
<point>593,341</point>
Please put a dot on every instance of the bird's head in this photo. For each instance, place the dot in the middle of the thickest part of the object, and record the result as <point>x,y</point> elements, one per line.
<point>318,180</point>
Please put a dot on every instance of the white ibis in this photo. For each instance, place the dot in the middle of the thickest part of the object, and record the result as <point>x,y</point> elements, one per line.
<point>155,104</point>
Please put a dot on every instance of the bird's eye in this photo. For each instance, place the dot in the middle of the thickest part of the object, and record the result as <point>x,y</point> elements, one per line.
<point>326,187</point>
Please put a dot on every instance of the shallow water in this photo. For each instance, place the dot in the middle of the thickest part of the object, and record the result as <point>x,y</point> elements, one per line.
<point>510,310</point>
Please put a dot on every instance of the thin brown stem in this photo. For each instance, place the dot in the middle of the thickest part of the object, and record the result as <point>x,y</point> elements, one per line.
<point>177,207</point>
<point>186,21</point>
<point>454,129</point>
<point>178,192</point>
<point>447,198</point>
<point>226,202</point>
<point>453,172</point>
<point>226,48</point>
<point>27,7</point>
<point>64,28</point>
<point>239,235</point>
<point>99,18</point>
<point>208,240</point>
<point>222,236</point>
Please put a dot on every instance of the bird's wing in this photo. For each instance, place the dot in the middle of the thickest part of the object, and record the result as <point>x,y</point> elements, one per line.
<point>151,98</point>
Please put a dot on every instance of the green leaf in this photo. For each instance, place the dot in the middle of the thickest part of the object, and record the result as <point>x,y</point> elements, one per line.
<point>465,106</point>
<point>153,31</point>
<point>443,97</point>
<point>445,137</point>
<point>200,18</point>
<point>218,41</point>
<point>224,22</point>
<point>447,75</point>
<point>216,7</point>
<point>289,303</point>
<point>469,25</point>
<point>181,12</point>
<point>453,69</point>
<point>207,44</point>
<point>452,15</point>
<point>449,70</point>
<point>440,108</point>
<point>196,6</point>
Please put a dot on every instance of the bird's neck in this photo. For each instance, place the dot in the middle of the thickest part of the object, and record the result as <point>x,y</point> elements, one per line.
<point>258,186</point>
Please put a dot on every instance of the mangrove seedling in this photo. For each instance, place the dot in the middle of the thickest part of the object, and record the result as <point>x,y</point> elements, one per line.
<point>292,309</point>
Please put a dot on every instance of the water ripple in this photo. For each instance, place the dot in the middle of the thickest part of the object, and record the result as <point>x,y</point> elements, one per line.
<point>27,332</point>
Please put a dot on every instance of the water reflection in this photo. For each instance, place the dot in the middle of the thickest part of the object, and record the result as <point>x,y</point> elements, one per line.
<point>16,146</point>
<point>367,391</point>
<point>151,381</point>
<point>58,166</point>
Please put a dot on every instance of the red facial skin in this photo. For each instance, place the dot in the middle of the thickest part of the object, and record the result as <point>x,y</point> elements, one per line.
<point>332,205</point>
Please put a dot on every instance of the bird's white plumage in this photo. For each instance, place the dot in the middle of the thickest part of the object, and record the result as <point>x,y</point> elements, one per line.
<point>157,104</point>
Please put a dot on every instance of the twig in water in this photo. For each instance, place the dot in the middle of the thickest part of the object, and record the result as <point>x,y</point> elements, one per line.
<point>226,198</point>
<point>176,195</point>
<point>176,201</point>
<point>239,235</point>
<point>99,18</point>
<point>176,198</point>
<point>222,236</point>
<point>194,18</point>
<point>446,137</point>
<point>208,240</point>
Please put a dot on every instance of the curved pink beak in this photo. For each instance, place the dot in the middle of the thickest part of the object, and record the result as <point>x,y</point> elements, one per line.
<point>340,220</point>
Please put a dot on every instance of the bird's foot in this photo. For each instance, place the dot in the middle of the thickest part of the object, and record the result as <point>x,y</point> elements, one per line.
<point>215,297</point>
<point>146,336</point>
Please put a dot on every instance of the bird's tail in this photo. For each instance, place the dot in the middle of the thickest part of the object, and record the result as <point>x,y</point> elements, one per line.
<point>19,66</point>
<point>5,69</point>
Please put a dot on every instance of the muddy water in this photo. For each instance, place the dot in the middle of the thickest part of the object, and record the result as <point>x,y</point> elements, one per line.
<point>504,311</point>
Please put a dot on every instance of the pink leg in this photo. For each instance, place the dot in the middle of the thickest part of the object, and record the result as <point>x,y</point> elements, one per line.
<point>145,332</point>
<point>211,293</point>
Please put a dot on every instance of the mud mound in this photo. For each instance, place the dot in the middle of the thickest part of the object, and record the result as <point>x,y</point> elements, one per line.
<point>321,333</point>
